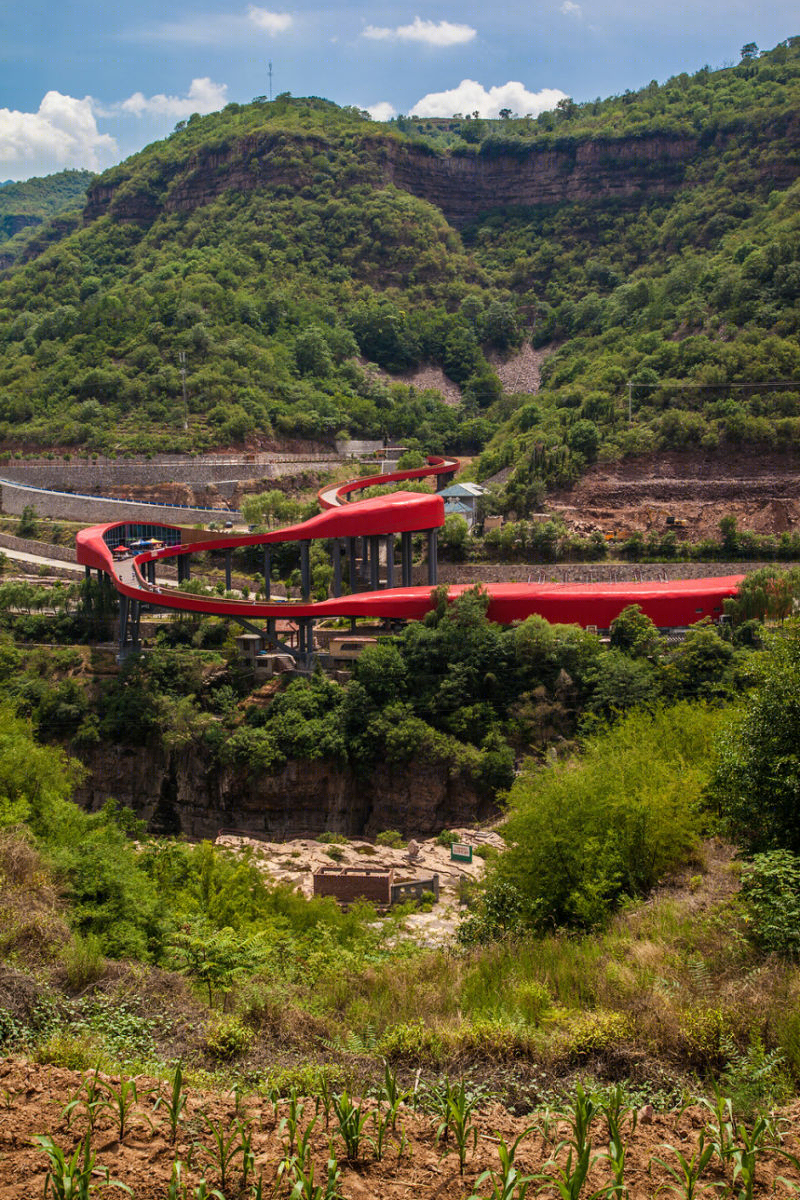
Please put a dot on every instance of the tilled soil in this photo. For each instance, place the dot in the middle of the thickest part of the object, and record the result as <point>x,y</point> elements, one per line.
<point>414,1162</point>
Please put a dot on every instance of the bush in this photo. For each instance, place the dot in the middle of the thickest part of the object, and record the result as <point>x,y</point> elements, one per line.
<point>771,893</point>
<point>594,1032</point>
<point>392,839</point>
<point>609,825</point>
<point>226,1038</point>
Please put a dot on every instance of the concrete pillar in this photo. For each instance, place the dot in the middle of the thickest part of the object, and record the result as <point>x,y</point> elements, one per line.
<point>228,555</point>
<point>151,571</point>
<point>351,563</point>
<point>406,559</point>
<point>433,545</point>
<point>267,572</point>
<point>374,561</point>
<point>305,570</point>
<point>87,573</point>
<point>124,606</point>
<point>390,560</point>
<point>337,567</point>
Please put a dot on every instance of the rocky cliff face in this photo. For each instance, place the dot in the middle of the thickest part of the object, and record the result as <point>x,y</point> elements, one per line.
<point>184,792</point>
<point>462,187</point>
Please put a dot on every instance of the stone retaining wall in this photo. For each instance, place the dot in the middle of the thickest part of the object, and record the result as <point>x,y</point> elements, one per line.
<point>94,509</point>
<point>104,475</point>
<point>43,549</point>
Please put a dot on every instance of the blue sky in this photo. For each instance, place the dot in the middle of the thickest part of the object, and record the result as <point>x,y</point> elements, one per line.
<point>84,83</point>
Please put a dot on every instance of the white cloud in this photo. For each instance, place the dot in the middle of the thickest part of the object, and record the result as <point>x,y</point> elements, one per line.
<point>271,22</point>
<point>63,133</point>
<point>569,9</point>
<point>204,96</point>
<point>383,111</point>
<point>470,97</point>
<point>431,33</point>
<point>217,29</point>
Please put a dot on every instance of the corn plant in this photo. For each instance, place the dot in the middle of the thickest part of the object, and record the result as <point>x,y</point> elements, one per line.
<point>392,1093</point>
<point>751,1144</point>
<point>506,1183</point>
<point>174,1103</point>
<point>71,1178</point>
<point>289,1124</point>
<point>570,1179</point>
<point>120,1102</point>
<point>90,1097</point>
<point>723,1128</point>
<point>580,1118</point>
<point>457,1119</point>
<point>178,1190</point>
<point>304,1187</point>
<point>245,1147</point>
<point>688,1170</point>
<point>616,1158</point>
<point>351,1119</point>
<point>224,1148</point>
<point>324,1099</point>
<point>615,1109</point>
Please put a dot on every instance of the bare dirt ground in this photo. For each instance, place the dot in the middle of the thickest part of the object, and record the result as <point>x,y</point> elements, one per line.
<point>762,490</point>
<point>415,1163</point>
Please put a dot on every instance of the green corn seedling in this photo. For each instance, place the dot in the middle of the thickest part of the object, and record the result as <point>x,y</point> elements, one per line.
<point>174,1103</point>
<point>506,1183</point>
<point>723,1127</point>
<point>120,1102</point>
<point>457,1119</point>
<point>245,1147</point>
<point>291,1121</point>
<point>688,1170</point>
<point>71,1178</point>
<point>224,1148</point>
<point>90,1097</point>
<point>616,1158</point>
<point>569,1180</point>
<point>304,1187</point>
<point>351,1120</point>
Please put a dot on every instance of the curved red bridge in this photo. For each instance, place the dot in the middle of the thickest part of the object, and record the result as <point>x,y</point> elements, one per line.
<point>362,535</point>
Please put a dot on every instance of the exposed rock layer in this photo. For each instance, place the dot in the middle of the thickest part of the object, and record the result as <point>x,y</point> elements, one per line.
<point>463,187</point>
<point>185,792</point>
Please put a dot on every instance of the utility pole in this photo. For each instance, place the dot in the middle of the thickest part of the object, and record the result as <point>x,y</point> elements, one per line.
<point>270,82</point>
<point>182,361</point>
<point>630,398</point>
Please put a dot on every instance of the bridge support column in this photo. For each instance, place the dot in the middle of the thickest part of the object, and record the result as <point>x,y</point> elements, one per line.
<point>406,559</point>
<point>390,560</point>
<point>433,544</point>
<point>271,634</point>
<point>267,572</point>
<point>100,577</point>
<point>374,561</point>
<point>351,563</point>
<point>305,570</point>
<point>87,574</point>
<point>151,571</point>
<point>227,570</point>
<point>337,567</point>
<point>184,568</point>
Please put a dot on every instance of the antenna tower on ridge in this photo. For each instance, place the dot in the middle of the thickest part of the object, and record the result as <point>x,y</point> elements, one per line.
<point>270,83</point>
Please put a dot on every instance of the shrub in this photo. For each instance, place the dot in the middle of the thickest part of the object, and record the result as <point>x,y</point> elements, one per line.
<point>333,839</point>
<point>594,1032</point>
<point>771,893</point>
<point>392,839</point>
<point>226,1038</point>
<point>413,1042</point>
<point>446,838</point>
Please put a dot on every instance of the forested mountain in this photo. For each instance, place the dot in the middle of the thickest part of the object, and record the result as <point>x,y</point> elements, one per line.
<point>651,241</point>
<point>29,204</point>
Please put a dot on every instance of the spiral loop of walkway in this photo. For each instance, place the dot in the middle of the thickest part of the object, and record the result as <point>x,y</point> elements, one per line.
<point>361,534</point>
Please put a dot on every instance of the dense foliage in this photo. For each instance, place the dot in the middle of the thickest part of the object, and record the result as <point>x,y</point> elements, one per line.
<point>682,305</point>
<point>25,206</point>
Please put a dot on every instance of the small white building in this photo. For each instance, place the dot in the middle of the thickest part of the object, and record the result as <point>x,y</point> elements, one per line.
<point>462,499</point>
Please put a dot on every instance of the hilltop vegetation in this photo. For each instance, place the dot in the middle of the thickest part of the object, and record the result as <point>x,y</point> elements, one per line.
<point>27,205</point>
<point>267,244</point>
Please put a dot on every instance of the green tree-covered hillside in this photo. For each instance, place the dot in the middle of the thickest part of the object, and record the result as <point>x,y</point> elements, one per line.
<point>280,245</point>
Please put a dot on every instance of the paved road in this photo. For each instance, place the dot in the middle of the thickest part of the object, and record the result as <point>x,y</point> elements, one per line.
<point>37,560</point>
